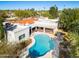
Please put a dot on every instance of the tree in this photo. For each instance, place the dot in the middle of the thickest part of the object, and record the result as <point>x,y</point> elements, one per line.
<point>3,15</point>
<point>45,14</point>
<point>53,11</point>
<point>74,44</point>
<point>25,13</point>
<point>69,20</point>
<point>1,29</point>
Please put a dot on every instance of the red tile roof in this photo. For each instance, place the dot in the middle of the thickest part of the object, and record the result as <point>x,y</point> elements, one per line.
<point>25,21</point>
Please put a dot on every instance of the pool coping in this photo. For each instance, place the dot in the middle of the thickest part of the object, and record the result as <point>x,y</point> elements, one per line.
<point>30,45</point>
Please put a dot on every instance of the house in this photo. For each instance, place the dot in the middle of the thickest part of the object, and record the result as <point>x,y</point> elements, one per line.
<point>20,30</point>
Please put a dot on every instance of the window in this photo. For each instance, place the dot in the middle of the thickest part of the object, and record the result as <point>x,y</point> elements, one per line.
<point>21,36</point>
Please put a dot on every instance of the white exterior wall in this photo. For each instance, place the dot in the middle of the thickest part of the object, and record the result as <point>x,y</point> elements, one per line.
<point>55,27</point>
<point>47,24</point>
<point>10,36</point>
<point>24,31</point>
<point>14,36</point>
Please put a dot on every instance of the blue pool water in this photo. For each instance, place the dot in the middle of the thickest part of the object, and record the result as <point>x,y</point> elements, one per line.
<point>43,44</point>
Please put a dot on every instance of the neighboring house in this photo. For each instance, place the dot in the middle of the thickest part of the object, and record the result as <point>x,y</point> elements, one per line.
<point>20,30</point>
<point>11,16</point>
<point>11,19</point>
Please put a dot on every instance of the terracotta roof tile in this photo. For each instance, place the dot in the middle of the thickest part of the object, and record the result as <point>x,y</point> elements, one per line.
<point>25,21</point>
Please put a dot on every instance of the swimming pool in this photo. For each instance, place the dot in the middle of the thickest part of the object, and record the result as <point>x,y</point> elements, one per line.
<point>43,44</point>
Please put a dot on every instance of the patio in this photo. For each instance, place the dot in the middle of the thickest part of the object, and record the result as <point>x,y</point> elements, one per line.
<point>41,29</point>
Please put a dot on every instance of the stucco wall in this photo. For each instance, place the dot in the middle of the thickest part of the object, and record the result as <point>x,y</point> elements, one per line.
<point>14,36</point>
